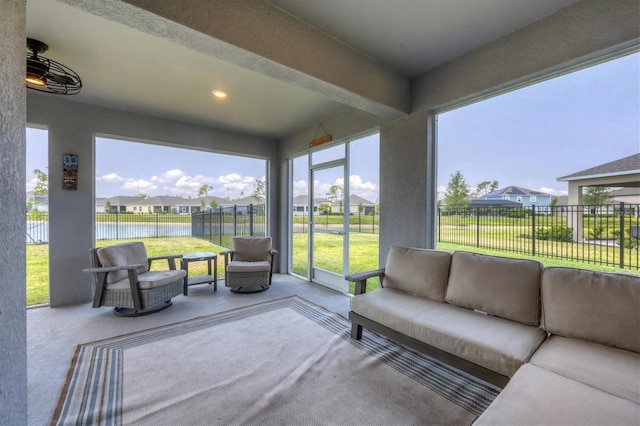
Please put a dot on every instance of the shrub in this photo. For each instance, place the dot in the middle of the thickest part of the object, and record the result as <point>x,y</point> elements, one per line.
<point>517,213</point>
<point>555,233</point>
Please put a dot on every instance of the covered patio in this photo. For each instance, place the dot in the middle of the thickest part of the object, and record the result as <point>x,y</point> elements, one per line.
<point>622,173</point>
<point>289,67</point>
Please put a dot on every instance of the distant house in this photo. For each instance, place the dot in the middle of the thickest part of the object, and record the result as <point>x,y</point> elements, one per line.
<point>479,202</point>
<point>355,204</point>
<point>525,197</point>
<point>301,205</point>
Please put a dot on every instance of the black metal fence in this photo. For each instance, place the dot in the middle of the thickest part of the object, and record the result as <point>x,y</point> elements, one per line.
<point>358,222</point>
<point>606,234</point>
<point>220,225</point>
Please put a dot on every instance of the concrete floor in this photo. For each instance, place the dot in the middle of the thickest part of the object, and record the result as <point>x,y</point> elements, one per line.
<point>52,334</point>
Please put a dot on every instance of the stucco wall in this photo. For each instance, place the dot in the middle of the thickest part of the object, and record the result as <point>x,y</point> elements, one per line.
<point>72,127</point>
<point>13,337</point>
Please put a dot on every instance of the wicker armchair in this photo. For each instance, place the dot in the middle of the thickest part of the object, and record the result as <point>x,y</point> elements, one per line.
<point>121,278</point>
<point>249,266</point>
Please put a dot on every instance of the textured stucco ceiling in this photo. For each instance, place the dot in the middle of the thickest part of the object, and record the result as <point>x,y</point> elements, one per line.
<point>286,64</point>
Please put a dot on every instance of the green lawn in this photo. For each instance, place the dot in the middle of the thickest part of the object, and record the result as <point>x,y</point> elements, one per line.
<point>38,261</point>
<point>363,257</point>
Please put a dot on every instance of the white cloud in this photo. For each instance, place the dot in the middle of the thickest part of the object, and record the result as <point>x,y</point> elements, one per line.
<point>300,188</point>
<point>367,190</point>
<point>189,183</point>
<point>110,178</point>
<point>552,191</point>
<point>139,186</point>
<point>169,176</point>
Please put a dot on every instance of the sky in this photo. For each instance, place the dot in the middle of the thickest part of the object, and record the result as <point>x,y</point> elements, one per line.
<point>535,135</point>
<point>528,138</point>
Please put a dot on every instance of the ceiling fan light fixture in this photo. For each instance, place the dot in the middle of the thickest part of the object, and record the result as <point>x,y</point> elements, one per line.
<point>36,71</point>
<point>220,94</point>
<point>47,75</point>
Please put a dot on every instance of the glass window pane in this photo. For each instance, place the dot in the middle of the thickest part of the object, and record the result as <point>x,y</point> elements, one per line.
<point>328,154</point>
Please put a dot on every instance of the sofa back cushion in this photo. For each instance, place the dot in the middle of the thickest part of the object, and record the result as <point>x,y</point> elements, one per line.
<point>122,255</point>
<point>251,249</point>
<point>500,286</point>
<point>418,271</point>
<point>593,306</point>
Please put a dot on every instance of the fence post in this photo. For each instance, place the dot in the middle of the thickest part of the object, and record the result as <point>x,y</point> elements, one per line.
<point>117,226</point>
<point>533,229</point>
<point>621,229</point>
<point>235,220</point>
<point>250,219</point>
<point>220,224</point>
<point>477,226</point>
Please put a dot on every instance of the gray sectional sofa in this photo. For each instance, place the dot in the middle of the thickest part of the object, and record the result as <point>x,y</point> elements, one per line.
<point>564,343</point>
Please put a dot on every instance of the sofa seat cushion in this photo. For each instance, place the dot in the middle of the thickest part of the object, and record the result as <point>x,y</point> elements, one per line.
<point>612,370</point>
<point>491,342</point>
<point>594,306</point>
<point>501,286</point>
<point>242,266</point>
<point>150,279</point>
<point>536,396</point>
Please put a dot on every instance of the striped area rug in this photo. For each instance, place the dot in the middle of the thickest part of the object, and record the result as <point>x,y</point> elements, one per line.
<point>286,361</point>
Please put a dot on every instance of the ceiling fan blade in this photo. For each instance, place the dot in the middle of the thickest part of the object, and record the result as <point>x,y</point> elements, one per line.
<point>60,79</point>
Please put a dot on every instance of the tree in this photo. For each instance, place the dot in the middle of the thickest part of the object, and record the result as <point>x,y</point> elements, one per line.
<point>597,195</point>
<point>456,195</point>
<point>204,190</point>
<point>259,190</point>
<point>485,188</point>
<point>107,207</point>
<point>335,194</point>
<point>142,196</point>
<point>41,188</point>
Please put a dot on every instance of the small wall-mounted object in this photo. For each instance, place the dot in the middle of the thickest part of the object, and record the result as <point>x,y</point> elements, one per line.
<point>319,140</point>
<point>70,172</point>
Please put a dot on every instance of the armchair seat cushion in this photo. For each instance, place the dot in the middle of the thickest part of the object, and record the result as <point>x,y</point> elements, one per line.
<point>150,279</point>
<point>243,266</point>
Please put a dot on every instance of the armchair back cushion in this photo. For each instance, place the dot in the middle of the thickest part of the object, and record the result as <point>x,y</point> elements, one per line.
<point>504,287</point>
<point>593,306</point>
<point>252,249</point>
<point>418,271</point>
<point>122,255</point>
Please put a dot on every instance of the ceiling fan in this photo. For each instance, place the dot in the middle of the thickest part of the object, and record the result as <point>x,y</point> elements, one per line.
<point>47,75</point>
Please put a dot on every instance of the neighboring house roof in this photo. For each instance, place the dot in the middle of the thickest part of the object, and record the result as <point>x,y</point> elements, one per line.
<point>245,201</point>
<point>623,166</point>
<point>161,200</point>
<point>121,200</point>
<point>478,202</point>
<point>512,190</point>
<point>357,200</point>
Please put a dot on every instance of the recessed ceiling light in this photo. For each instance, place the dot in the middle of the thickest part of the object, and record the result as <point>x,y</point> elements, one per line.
<point>220,94</point>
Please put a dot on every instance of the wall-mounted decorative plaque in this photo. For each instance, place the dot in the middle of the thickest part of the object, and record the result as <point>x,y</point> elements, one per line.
<point>70,172</point>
